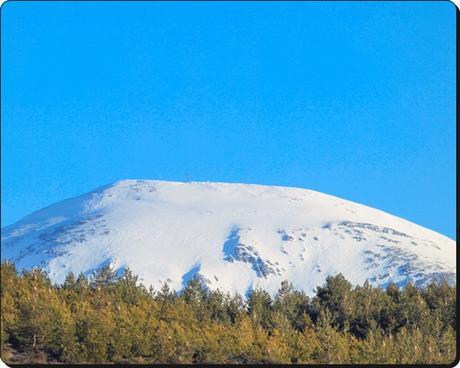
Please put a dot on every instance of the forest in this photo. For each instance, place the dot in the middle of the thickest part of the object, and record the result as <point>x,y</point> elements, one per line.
<point>110,318</point>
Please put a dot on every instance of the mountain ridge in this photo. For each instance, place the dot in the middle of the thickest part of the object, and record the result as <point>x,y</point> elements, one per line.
<point>233,236</point>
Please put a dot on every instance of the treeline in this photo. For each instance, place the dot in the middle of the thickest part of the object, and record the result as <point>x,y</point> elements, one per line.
<point>114,319</point>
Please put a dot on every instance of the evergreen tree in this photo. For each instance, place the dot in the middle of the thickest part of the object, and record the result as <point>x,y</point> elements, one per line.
<point>291,303</point>
<point>113,319</point>
<point>259,307</point>
<point>335,296</point>
<point>104,277</point>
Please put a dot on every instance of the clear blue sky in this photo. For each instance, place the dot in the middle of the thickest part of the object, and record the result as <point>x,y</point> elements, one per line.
<point>351,99</point>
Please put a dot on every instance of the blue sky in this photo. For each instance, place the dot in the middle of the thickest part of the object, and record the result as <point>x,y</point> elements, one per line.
<point>351,99</point>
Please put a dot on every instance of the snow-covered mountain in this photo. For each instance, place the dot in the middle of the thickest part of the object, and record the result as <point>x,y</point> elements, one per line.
<point>231,236</point>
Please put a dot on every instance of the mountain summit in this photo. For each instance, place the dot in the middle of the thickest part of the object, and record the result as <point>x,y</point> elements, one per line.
<point>231,236</point>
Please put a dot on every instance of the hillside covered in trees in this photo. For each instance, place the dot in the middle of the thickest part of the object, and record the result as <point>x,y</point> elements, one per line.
<point>110,318</point>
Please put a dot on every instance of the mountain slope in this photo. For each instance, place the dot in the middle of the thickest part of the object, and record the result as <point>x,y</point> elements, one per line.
<point>232,236</point>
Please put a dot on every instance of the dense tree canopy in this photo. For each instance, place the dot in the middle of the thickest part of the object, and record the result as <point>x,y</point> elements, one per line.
<point>110,318</point>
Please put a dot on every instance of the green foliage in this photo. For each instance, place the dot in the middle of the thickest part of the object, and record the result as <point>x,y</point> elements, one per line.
<point>114,319</point>
<point>335,296</point>
<point>260,307</point>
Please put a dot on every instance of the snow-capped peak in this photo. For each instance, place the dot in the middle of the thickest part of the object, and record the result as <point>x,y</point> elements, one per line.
<point>232,236</point>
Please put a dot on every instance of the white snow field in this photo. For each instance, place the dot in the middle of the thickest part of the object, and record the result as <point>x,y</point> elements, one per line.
<point>231,236</point>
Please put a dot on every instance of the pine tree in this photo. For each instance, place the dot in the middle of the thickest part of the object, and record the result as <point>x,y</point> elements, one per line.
<point>116,320</point>
<point>104,277</point>
<point>335,296</point>
<point>259,307</point>
<point>291,303</point>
